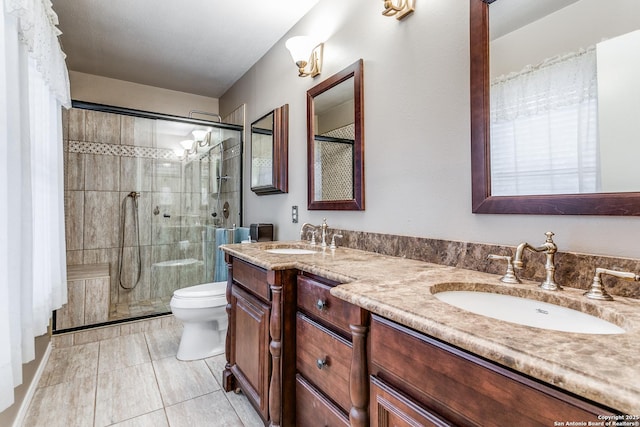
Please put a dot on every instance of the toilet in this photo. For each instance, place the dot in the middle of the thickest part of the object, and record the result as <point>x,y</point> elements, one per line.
<point>202,311</point>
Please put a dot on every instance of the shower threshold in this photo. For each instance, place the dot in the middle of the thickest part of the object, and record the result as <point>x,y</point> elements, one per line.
<point>119,311</point>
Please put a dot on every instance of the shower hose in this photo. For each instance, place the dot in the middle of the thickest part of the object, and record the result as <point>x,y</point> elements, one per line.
<point>134,197</point>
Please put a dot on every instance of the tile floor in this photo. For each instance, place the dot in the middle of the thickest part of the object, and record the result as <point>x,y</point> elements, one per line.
<point>135,380</point>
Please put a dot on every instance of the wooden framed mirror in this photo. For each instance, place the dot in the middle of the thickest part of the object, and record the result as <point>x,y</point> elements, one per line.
<point>270,152</point>
<point>335,141</point>
<point>602,201</point>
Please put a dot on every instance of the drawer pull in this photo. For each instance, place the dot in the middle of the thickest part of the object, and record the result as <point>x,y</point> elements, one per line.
<point>321,304</point>
<point>321,363</point>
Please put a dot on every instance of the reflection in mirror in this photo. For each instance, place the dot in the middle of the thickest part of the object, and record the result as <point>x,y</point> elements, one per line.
<point>335,143</point>
<point>269,152</point>
<point>551,125</point>
<point>262,152</point>
<point>549,100</point>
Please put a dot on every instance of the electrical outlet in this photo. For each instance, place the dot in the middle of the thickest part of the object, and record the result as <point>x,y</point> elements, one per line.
<point>294,214</point>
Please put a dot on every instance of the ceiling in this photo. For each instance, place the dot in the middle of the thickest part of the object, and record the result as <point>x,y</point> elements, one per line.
<point>193,46</point>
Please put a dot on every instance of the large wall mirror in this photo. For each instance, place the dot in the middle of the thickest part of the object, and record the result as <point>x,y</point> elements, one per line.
<point>555,102</point>
<point>335,142</point>
<point>270,152</point>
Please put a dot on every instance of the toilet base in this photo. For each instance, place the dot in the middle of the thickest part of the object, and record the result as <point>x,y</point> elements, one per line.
<point>201,340</point>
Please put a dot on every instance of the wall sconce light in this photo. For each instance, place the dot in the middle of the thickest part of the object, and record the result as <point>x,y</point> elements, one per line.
<point>403,9</point>
<point>304,53</point>
<point>202,137</point>
<point>190,146</point>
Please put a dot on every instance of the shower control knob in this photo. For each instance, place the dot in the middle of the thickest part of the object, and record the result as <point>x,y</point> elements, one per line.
<point>214,214</point>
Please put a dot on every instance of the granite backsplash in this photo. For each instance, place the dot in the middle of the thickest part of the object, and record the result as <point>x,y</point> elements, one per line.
<point>572,269</point>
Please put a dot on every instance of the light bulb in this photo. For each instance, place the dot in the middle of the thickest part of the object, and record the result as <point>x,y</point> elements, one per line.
<point>199,134</point>
<point>187,144</point>
<point>300,48</point>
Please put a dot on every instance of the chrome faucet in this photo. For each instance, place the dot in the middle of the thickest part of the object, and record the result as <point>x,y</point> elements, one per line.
<point>549,248</point>
<point>313,232</point>
<point>597,291</point>
<point>324,227</point>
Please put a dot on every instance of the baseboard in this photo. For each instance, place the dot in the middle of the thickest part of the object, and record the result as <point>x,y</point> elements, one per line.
<point>31,391</point>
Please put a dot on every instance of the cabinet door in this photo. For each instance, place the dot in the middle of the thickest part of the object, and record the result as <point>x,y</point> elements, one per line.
<point>251,348</point>
<point>389,407</point>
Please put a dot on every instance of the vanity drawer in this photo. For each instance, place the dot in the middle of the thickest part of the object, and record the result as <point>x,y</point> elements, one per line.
<point>464,388</point>
<point>251,278</point>
<point>324,359</point>
<point>313,409</point>
<point>316,301</point>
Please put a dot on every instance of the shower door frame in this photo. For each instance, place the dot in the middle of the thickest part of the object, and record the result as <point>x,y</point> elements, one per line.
<point>158,116</point>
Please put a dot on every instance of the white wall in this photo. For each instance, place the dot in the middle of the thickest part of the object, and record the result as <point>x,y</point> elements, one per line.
<point>120,93</point>
<point>618,112</point>
<point>417,149</point>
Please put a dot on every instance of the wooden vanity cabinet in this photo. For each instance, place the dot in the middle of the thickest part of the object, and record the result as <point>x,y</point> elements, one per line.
<point>418,380</point>
<point>260,345</point>
<point>332,380</point>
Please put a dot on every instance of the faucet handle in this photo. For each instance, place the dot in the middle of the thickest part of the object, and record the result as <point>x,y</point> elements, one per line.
<point>510,275</point>
<point>333,241</point>
<point>597,290</point>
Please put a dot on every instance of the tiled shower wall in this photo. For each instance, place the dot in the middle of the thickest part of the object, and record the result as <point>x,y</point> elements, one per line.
<point>107,156</point>
<point>336,165</point>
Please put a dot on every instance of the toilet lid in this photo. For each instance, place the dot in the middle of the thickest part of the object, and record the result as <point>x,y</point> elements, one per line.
<point>199,291</point>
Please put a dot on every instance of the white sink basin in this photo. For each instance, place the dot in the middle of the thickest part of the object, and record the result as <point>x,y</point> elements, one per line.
<point>528,312</point>
<point>290,251</point>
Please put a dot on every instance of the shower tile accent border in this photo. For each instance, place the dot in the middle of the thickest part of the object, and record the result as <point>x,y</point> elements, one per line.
<point>84,147</point>
<point>86,336</point>
<point>573,270</point>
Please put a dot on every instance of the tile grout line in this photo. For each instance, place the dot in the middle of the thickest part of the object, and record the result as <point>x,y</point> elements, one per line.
<point>95,392</point>
<point>225,393</point>
<point>155,376</point>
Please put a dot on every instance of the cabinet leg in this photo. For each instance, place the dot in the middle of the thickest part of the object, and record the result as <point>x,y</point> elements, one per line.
<point>228,380</point>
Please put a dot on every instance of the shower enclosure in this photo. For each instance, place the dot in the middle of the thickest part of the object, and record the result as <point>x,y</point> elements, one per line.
<point>144,195</point>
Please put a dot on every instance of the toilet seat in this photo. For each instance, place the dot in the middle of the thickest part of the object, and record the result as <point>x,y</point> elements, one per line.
<point>200,296</point>
<point>205,290</point>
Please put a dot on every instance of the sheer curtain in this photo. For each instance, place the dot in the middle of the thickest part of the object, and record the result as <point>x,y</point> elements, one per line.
<point>544,134</point>
<point>35,84</point>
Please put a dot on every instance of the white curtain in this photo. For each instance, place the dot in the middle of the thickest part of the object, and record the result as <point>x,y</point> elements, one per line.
<point>35,85</point>
<point>544,134</point>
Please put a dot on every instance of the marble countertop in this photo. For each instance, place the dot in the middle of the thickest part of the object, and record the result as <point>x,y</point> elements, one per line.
<point>603,368</point>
